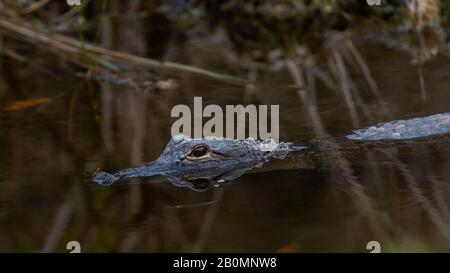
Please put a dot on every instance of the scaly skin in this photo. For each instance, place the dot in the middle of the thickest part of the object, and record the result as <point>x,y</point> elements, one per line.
<point>405,129</point>
<point>225,160</point>
<point>199,163</point>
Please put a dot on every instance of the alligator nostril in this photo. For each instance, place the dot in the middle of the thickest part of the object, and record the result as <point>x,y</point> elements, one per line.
<point>104,178</point>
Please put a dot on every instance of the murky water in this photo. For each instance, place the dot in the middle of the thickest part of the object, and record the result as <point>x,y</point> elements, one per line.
<point>396,195</point>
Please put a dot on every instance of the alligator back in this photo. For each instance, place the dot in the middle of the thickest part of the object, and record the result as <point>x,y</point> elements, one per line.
<point>405,129</point>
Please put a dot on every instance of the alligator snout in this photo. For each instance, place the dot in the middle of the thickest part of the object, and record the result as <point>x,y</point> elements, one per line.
<point>104,178</point>
<point>203,161</point>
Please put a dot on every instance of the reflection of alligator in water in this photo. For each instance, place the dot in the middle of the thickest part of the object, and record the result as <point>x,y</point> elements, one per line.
<point>198,163</point>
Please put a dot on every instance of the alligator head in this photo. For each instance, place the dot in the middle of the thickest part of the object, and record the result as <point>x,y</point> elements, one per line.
<point>200,163</point>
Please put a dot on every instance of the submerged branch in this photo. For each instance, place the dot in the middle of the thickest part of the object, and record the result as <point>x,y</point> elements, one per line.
<point>77,50</point>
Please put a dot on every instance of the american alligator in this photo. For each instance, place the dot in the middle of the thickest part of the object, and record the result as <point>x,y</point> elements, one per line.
<point>199,163</point>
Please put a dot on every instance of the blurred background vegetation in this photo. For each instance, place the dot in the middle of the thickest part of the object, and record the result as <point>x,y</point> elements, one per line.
<point>91,86</point>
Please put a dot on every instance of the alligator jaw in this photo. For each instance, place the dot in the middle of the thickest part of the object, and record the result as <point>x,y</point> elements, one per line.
<point>148,170</point>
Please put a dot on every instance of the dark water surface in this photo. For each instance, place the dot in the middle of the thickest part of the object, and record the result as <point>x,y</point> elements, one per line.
<point>396,195</point>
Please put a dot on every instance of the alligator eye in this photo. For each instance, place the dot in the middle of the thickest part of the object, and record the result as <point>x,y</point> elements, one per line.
<point>200,183</point>
<point>199,151</point>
